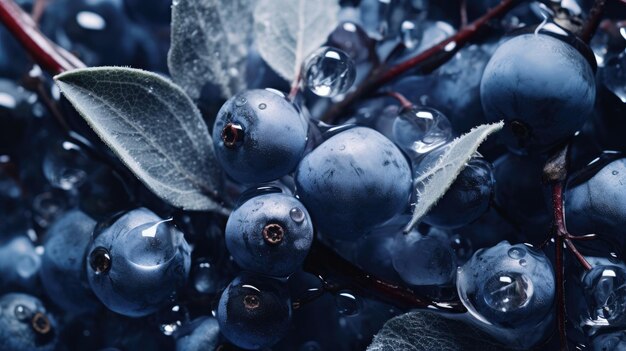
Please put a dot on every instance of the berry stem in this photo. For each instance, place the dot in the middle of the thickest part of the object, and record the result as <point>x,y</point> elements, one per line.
<point>593,21</point>
<point>557,202</point>
<point>295,86</point>
<point>426,61</point>
<point>404,102</point>
<point>463,9</point>
<point>48,55</point>
<point>326,263</point>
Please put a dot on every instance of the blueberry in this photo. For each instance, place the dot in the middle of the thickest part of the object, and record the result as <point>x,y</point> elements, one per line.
<point>354,181</point>
<point>424,259</point>
<point>510,286</point>
<point>466,199</point>
<point>269,234</point>
<point>17,110</point>
<point>87,26</point>
<point>258,136</point>
<point>254,312</point>
<point>150,11</point>
<point>201,334</point>
<point>19,265</point>
<point>26,324</point>
<point>598,205</point>
<point>542,88</point>
<point>519,193</point>
<point>62,273</point>
<point>614,341</point>
<point>137,264</point>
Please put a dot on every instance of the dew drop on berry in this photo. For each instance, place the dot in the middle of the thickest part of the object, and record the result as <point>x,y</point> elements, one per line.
<point>329,72</point>
<point>347,303</point>
<point>508,291</point>
<point>262,106</point>
<point>516,253</point>
<point>297,215</point>
<point>22,313</point>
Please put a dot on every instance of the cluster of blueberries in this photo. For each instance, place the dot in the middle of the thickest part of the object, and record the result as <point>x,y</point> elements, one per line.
<point>90,259</point>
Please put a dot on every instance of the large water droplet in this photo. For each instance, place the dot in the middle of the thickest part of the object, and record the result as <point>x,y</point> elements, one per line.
<point>65,165</point>
<point>605,291</point>
<point>508,291</point>
<point>419,130</point>
<point>329,72</point>
<point>297,215</point>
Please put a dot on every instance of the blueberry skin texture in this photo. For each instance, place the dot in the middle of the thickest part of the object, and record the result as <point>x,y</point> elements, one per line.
<point>492,262</point>
<point>274,136</point>
<point>353,182</point>
<point>263,320</point>
<point>204,335</point>
<point>544,84</point>
<point>423,260</point>
<point>17,332</point>
<point>467,199</point>
<point>19,265</point>
<point>615,341</point>
<point>250,249</point>
<point>598,205</point>
<point>62,272</point>
<point>148,263</point>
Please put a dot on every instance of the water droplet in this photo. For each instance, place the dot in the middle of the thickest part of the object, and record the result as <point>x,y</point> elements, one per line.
<point>262,106</point>
<point>614,76</point>
<point>47,207</point>
<point>522,262</point>
<point>329,72</point>
<point>420,130</point>
<point>297,215</point>
<point>22,313</point>
<point>605,292</point>
<point>347,303</point>
<point>516,253</point>
<point>508,291</point>
<point>615,172</point>
<point>65,165</point>
<point>410,34</point>
<point>27,265</point>
<point>205,277</point>
<point>169,328</point>
<point>100,260</point>
<point>241,101</point>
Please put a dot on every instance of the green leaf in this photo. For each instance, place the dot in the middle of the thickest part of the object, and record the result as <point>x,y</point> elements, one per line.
<point>286,31</point>
<point>427,331</point>
<point>433,183</point>
<point>210,43</point>
<point>153,127</point>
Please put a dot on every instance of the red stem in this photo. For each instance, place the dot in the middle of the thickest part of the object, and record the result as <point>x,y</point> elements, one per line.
<point>404,102</point>
<point>446,49</point>
<point>595,17</point>
<point>48,55</point>
<point>557,203</point>
<point>463,6</point>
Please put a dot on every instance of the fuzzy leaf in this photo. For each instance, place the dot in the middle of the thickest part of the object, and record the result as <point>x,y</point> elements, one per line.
<point>420,331</point>
<point>153,127</point>
<point>210,43</point>
<point>433,183</point>
<point>286,31</point>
